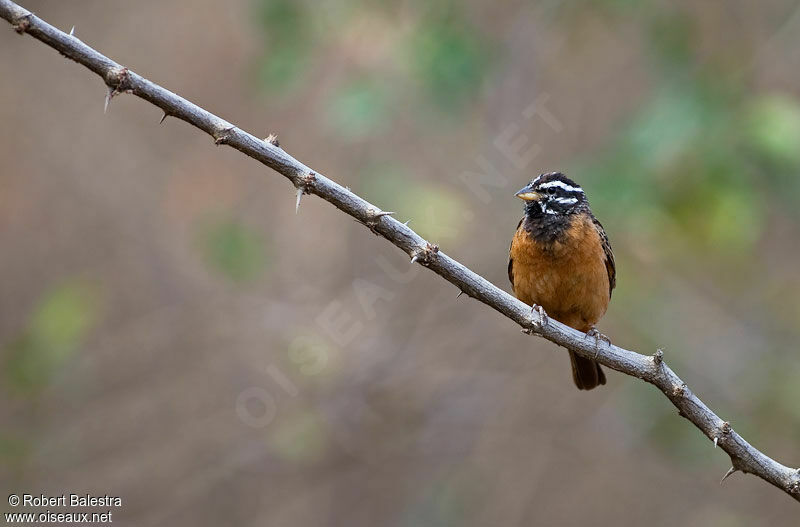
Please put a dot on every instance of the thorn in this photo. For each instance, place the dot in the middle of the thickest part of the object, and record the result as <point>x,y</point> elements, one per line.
<point>459,294</point>
<point>118,80</point>
<point>727,474</point>
<point>273,140</point>
<point>715,441</point>
<point>406,222</point>
<point>72,31</point>
<point>303,183</point>
<point>163,117</point>
<point>373,217</point>
<point>109,95</point>
<point>223,137</point>
<point>424,254</point>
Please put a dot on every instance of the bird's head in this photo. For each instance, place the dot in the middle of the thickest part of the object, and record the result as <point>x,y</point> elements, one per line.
<point>552,193</point>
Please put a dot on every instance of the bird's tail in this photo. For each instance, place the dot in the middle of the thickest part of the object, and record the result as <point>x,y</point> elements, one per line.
<point>586,373</point>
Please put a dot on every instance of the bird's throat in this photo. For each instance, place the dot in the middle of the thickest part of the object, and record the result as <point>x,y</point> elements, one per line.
<point>545,228</point>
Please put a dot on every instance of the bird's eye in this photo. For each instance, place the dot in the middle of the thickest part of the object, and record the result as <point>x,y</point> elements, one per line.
<point>551,191</point>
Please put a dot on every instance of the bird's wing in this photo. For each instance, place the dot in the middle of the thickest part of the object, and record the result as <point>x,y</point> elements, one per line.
<point>511,260</point>
<point>611,267</point>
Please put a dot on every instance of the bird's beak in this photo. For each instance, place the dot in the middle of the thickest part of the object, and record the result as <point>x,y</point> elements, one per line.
<point>528,194</point>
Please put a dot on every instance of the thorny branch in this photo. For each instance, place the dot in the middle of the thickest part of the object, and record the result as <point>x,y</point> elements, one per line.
<point>651,369</point>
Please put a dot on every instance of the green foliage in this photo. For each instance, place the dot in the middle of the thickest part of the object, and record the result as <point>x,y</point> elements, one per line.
<point>13,450</point>
<point>439,507</point>
<point>288,45</point>
<point>772,130</point>
<point>58,326</point>
<point>232,249</point>
<point>358,108</point>
<point>783,391</point>
<point>687,155</point>
<point>447,501</point>
<point>435,211</point>
<point>671,35</point>
<point>668,125</point>
<point>300,437</point>
<point>450,60</point>
<point>652,416</point>
<point>445,54</point>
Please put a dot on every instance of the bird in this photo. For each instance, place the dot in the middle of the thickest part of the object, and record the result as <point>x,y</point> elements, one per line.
<point>561,261</point>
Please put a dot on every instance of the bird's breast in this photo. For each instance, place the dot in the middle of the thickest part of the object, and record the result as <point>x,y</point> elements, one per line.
<point>566,276</point>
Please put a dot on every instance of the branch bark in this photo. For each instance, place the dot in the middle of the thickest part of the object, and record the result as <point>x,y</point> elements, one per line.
<point>651,369</point>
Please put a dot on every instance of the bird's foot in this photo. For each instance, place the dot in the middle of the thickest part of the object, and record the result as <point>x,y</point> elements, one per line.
<point>540,310</point>
<point>597,338</point>
<point>543,319</point>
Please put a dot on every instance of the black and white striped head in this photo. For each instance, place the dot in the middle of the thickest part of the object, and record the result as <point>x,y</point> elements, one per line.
<point>552,194</point>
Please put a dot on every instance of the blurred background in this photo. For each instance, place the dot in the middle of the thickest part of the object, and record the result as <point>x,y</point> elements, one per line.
<point>173,334</point>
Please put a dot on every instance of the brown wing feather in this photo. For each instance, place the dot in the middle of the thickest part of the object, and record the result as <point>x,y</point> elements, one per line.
<point>511,260</point>
<point>611,266</point>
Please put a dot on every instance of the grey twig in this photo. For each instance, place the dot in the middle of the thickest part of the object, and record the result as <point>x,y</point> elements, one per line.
<point>652,369</point>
